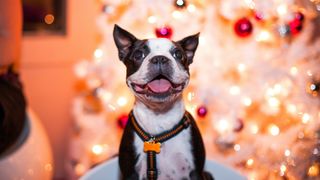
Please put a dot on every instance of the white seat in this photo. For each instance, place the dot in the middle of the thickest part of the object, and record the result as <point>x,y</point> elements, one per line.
<point>110,170</point>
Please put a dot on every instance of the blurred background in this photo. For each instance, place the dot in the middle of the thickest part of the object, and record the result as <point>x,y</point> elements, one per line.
<point>254,87</point>
<point>57,34</point>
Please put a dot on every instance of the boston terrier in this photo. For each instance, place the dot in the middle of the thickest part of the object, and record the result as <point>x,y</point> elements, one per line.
<point>161,139</point>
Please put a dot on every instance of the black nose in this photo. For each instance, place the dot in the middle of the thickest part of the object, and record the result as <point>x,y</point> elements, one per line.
<point>159,60</point>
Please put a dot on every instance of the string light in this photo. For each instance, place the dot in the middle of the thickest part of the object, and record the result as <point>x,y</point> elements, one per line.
<point>104,95</point>
<point>81,69</point>
<point>273,130</point>
<point>293,71</point>
<point>283,169</point>
<point>234,90</point>
<point>49,19</point>
<point>122,101</point>
<point>152,19</point>
<point>180,2</point>
<point>48,167</point>
<point>254,129</point>
<point>287,152</point>
<point>241,67</point>
<point>250,162</point>
<point>282,10</point>
<point>314,170</point>
<point>97,149</point>
<point>246,101</point>
<point>292,109</point>
<point>264,36</point>
<point>237,147</point>
<point>176,14</point>
<point>223,126</point>
<point>98,53</point>
<point>309,73</point>
<point>306,118</point>
<point>273,102</point>
<point>250,4</point>
<point>191,8</point>
<point>190,96</point>
<point>79,169</point>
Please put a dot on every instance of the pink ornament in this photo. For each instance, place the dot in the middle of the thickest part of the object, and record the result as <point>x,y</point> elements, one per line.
<point>122,121</point>
<point>164,32</point>
<point>202,111</point>
<point>243,27</point>
<point>258,16</point>
<point>238,125</point>
<point>299,16</point>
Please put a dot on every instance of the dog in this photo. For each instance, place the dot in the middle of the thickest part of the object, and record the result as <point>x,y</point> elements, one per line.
<point>157,72</point>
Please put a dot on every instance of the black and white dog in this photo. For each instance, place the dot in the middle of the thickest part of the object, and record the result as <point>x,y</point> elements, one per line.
<point>157,73</point>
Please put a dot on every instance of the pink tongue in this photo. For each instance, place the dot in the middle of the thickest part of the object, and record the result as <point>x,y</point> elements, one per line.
<point>159,85</point>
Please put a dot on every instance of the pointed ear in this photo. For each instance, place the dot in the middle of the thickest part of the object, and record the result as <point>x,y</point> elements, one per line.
<point>123,40</point>
<point>189,45</point>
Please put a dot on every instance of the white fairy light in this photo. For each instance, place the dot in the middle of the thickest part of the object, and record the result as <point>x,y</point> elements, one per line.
<point>273,102</point>
<point>246,101</point>
<point>274,130</point>
<point>152,19</point>
<point>237,147</point>
<point>254,129</point>
<point>282,9</point>
<point>98,53</point>
<point>292,109</point>
<point>293,71</point>
<point>190,96</point>
<point>176,14</point>
<point>234,90</point>
<point>191,8</point>
<point>223,126</point>
<point>250,4</point>
<point>263,36</point>
<point>122,101</point>
<point>97,149</point>
<point>306,118</point>
<point>287,152</point>
<point>241,67</point>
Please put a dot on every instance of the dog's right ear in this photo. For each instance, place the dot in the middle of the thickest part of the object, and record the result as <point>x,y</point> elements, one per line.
<point>124,41</point>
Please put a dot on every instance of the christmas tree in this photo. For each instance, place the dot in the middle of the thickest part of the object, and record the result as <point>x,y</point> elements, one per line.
<point>254,87</point>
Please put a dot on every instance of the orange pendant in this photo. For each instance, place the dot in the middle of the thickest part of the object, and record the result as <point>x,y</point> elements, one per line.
<point>152,146</point>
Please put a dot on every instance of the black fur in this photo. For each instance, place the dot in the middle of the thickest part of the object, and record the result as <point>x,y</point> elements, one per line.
<point>128,157</point>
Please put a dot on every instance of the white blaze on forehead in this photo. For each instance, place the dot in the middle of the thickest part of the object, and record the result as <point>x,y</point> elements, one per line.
<point>160,46</point>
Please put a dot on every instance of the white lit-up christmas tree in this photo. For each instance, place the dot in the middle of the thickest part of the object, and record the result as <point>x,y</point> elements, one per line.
<point>254,88</point>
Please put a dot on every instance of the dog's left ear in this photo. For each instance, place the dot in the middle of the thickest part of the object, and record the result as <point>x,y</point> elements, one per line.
<point>123,40</point>
<point>189,45</point>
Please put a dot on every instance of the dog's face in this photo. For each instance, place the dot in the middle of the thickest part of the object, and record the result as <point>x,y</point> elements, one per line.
<point>157,69</point>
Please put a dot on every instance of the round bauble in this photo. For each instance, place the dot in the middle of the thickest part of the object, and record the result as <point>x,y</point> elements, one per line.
<point>243,27</point>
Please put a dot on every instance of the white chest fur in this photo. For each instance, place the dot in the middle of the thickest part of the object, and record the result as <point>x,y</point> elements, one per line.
<point>175,161</point>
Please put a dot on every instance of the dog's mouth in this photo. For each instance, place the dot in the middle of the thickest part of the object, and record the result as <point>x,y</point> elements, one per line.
<point>160,85</point>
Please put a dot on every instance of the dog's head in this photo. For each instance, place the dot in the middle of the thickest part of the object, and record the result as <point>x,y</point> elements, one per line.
<point>157,69</point>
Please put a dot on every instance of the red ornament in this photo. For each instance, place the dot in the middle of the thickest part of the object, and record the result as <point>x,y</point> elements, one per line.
<point>202,111</point>
<point>258,16</point>
<point>239,125</point>
<point>296,26</point>
<point>122,121</point>
<point>164,32</point>
<point>243,27</point>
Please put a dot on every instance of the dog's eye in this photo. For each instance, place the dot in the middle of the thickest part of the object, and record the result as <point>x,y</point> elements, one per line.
<point>138,55</point>
<point>177,54</point>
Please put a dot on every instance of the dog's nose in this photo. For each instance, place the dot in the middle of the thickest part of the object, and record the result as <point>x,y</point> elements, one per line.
<point>159,60</point>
